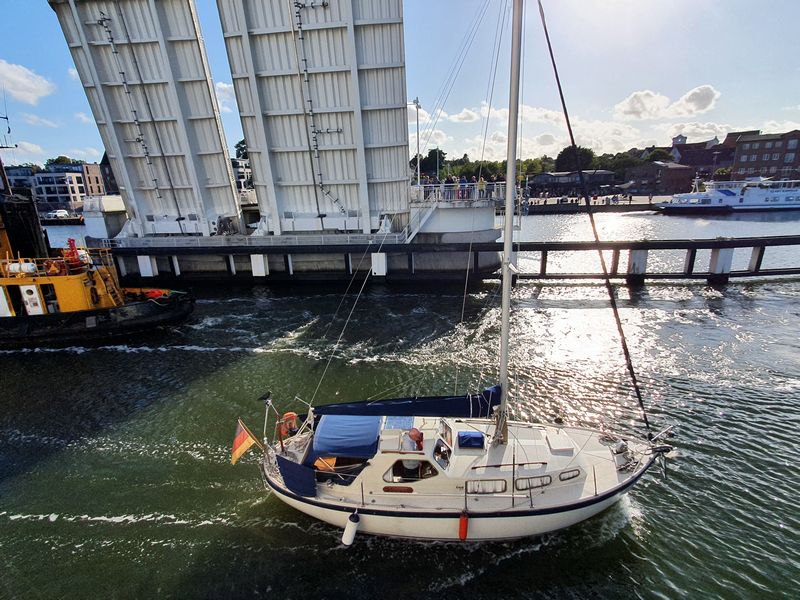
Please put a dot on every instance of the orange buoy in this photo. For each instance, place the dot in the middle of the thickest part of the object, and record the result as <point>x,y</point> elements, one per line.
<point>463,525</point>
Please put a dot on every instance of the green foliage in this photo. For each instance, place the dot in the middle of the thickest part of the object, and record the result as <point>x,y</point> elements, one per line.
<point>660,154</point>
<point>617,163</point>
<point>428,163</point>
<point>241,150</point>
<point>565,161</point>
<point>722,174</point>
<point>62,160</point>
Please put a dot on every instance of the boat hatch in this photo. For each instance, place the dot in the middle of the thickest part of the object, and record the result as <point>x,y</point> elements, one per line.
<point>470,439</point>
<point>560,442</point>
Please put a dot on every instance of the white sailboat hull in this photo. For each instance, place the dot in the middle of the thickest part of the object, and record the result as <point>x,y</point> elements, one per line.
<point>445,524</point>
<point>447,528</point>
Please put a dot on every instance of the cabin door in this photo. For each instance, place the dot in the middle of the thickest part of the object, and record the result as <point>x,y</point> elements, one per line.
<point>34,305</point>
<point>5,304</point>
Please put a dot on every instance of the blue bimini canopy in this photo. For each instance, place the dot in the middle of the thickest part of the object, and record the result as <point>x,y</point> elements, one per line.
<point>345,435</point>
<point>469,406</point>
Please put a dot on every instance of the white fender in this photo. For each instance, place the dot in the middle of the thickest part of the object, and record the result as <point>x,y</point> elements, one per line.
<point>350,529</point>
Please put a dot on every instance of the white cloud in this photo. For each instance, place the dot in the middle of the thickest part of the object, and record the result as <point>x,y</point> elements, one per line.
<point>82,117</point>
<point>694,102</point>
<point>498,137</point>
<point>23,84</point>
<point>530,114</point>
<point>647,104</point>
<point>39,121</point>
<point>73,73</point>
<point>698,131</point>
<point>795,107</point>
<point>465,116</point>
<point>545,139</point>
<point>644,104</point>
<point>773,126</point>
<point>29,148</point>
<point>86,153</point>
<point>225,96</point>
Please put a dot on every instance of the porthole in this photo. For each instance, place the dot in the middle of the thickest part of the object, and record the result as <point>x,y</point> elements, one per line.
<point>571,474</point>
<point>530,483</point>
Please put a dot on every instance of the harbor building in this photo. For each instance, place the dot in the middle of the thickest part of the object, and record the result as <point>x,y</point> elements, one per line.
<point>660,178</point>
<point>67,185</point>
<point>774,155</point>
<point>321,91</point>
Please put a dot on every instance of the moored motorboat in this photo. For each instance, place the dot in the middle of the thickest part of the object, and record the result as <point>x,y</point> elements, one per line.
<point>734,196</point>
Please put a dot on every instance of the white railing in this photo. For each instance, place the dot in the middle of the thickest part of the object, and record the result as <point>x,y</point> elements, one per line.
<point>445,192</point>
<point>256,241</point>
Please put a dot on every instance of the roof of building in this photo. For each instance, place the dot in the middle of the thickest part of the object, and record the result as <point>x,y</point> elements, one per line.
<point>765,137</point>
<point>707,156</point>
<point>731,139</point>
<point>662,164</point>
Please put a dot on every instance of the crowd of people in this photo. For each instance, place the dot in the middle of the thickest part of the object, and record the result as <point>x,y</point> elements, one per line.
<point>453,187</point>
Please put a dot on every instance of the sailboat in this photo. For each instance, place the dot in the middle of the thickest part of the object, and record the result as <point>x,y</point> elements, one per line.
<point>450,467</point>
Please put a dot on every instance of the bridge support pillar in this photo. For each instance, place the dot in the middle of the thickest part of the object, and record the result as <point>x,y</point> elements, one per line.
<point>637,267</point>
<point>147,266</point>
<point>379,264</point>
<point>176,268</point>
<point>719,267</point>
<point>259,265</point>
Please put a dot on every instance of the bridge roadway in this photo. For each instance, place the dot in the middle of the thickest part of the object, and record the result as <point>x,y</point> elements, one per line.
<point>719,269</point>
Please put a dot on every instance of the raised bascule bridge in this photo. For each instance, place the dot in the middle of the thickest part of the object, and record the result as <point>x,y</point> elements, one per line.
<point>321,91</point>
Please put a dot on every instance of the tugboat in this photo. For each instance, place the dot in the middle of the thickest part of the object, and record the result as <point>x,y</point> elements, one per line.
<point>73,296</point>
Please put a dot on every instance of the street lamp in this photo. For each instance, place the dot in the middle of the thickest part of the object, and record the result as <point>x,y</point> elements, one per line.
<point>415,102</point>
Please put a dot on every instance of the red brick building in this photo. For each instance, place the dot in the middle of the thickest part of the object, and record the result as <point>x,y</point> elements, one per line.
<point>767,155</point>
<point>660,178</point>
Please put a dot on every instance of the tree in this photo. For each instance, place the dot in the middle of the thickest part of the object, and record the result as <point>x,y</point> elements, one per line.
<point>565,161</point>
<point>241,150</point>
<point>428,163</point>
<point>722,174</point>
<point>62,160</point>
<point>660,154</point>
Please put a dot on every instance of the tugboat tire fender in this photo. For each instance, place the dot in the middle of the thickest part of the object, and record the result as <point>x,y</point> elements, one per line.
<point>94,295</point>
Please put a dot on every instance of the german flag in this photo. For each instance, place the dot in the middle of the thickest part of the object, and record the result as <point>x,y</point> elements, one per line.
<point>242,440</point>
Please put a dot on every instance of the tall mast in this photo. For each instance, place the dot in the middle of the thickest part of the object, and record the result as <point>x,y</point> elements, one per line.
<point>508,227</point>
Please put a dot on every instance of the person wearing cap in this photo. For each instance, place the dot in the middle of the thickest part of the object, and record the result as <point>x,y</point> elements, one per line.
<point>412,442</point>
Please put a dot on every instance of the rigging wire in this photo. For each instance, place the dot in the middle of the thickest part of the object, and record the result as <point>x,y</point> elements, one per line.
<point>606,279</point>
<point>498,39</point>
<point>347,322</point>
<point>455,70</point>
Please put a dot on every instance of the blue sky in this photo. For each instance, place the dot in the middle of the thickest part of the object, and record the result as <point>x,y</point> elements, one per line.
<point>635,72</point>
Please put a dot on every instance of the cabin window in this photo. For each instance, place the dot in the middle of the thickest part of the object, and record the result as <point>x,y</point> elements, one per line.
<point>49,295</point>
<point>406,470</point>
<point>486,486</point>
<point>531,483</point>
<point>441,454</point>
<point>571,474</point>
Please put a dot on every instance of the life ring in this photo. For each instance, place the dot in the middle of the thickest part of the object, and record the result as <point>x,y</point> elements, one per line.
<point>94,295</point>
<point>288,424</point>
